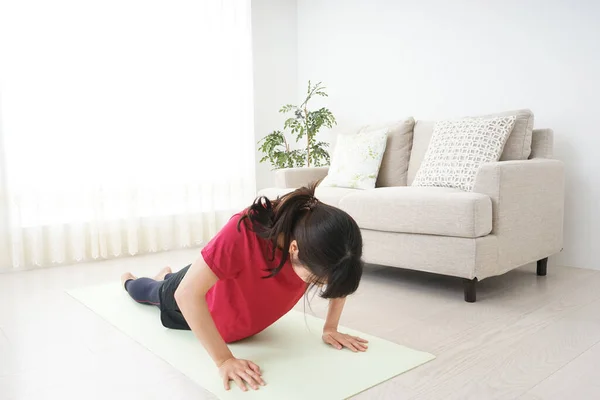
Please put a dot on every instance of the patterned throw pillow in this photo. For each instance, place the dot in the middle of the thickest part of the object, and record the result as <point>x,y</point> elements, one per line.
<point>458,148</point>
<point>356,160</point>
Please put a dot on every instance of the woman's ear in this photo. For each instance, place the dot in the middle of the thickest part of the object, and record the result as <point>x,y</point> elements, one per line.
<point>294,247</point>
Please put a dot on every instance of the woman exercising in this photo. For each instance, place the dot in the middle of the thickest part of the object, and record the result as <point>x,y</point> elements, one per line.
<point>254,271</point>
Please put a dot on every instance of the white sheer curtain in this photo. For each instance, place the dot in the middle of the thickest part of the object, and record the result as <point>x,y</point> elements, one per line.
<point>126,126</point>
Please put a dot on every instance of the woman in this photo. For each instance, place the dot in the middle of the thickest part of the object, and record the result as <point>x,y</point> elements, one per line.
<point>254,271</point>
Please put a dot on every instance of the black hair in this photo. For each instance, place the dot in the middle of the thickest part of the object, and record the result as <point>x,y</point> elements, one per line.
<point>329,240</point>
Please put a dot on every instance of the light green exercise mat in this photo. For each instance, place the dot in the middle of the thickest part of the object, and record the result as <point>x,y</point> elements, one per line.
<point>296,364</point>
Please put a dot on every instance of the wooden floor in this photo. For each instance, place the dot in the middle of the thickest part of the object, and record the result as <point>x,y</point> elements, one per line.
<point>527,337</point>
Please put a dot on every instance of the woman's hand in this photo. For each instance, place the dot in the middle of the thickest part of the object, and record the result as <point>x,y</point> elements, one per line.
<point>242,372</point>
<point>339,340</point>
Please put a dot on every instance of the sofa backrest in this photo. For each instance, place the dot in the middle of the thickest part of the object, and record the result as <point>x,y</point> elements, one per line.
<point>542,143</point>
<point>518,146</point>
<point>421,138</point>
<point>394,165</point>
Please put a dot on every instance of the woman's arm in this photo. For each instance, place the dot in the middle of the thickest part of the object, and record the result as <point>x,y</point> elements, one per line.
<point>331,335</point>
<point>334,313</point>
<point>191,300</point>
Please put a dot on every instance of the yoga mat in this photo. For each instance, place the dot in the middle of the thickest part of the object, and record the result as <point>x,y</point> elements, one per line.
<point>296,364</point>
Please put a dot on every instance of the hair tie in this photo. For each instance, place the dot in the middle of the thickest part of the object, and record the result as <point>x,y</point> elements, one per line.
<point>311,204</point>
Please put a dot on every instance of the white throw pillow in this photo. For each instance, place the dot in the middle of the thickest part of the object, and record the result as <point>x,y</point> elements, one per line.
<point>356,160</point>
<point>458,148</point>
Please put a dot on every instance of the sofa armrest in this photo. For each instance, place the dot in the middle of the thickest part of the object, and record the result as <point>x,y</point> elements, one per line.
<point>527,208</point>
<point>297,177</point>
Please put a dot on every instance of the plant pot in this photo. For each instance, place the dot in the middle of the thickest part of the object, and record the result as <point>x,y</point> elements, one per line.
<point>287,178</point>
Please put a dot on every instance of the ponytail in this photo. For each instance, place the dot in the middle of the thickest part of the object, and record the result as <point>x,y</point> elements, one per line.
<point>276,219</point>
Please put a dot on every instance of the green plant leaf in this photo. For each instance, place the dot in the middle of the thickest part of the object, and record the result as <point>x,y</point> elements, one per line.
<point>304,124</point>
<point>287,108</point>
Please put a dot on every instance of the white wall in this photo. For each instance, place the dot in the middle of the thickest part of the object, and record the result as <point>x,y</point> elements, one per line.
<point>385,60</point>
<point>275,51</point>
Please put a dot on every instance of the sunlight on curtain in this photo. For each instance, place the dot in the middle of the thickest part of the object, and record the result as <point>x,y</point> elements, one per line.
<point>127,125</point>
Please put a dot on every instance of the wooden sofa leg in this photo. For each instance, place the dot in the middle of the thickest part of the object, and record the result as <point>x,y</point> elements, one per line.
<point>470,286</point>
<point>542,266</point>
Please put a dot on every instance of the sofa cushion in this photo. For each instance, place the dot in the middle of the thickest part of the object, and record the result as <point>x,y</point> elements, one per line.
<point>333,196</point>
<point>421,210</point>
<point>517,147</point>
<point>356,160</point>
<point>394,165</point>
<point>458,148</point>
<point>422,134</point>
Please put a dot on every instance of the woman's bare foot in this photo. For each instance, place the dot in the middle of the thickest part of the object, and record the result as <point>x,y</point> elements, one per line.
<point>125,277</point>
<point>161,274</point>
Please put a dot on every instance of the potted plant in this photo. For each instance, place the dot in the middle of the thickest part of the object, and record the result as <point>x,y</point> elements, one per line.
<point>302,124</point>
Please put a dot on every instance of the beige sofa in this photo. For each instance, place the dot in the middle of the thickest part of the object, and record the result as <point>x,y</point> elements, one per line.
<point>513,216</point>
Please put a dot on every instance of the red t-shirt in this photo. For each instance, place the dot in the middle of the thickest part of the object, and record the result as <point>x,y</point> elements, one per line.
<point>242,302</point>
